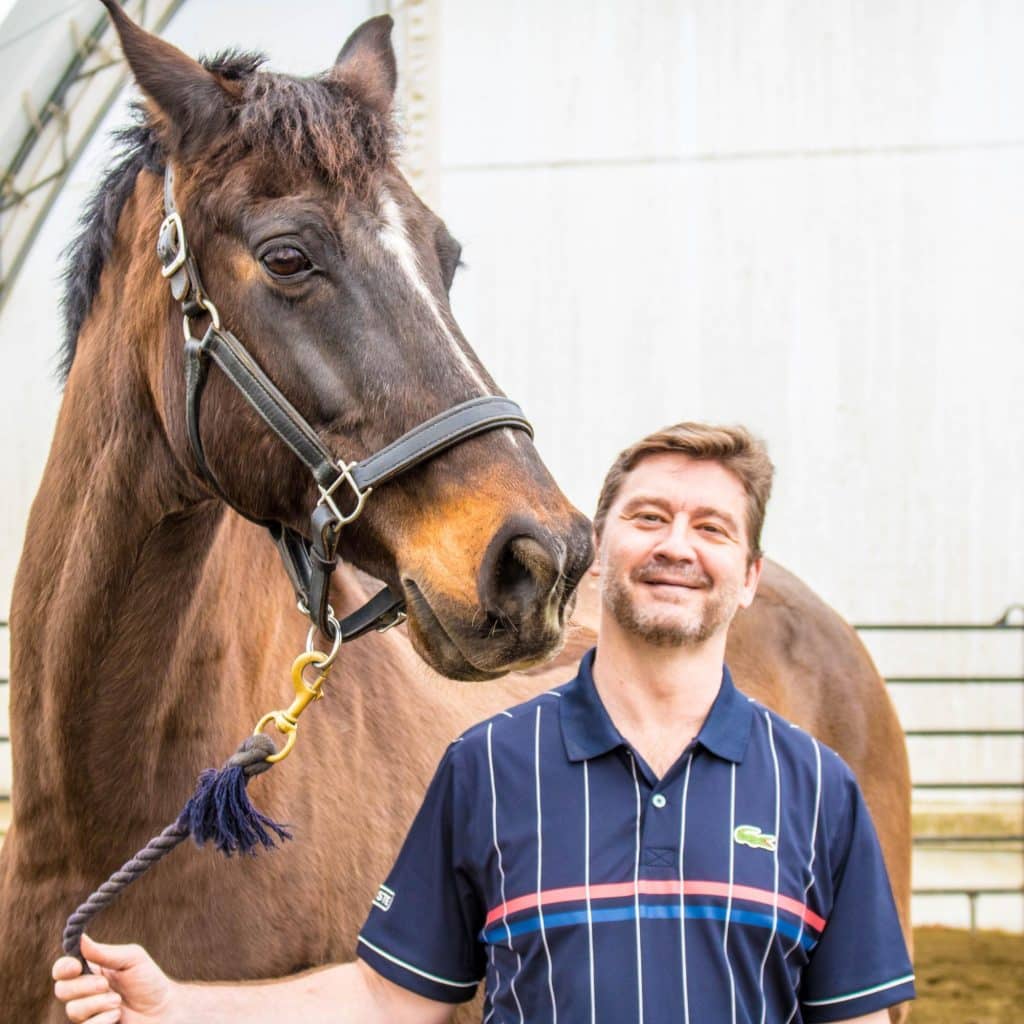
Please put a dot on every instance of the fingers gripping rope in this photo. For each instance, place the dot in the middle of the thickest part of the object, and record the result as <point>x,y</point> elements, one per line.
<point>219,812</point>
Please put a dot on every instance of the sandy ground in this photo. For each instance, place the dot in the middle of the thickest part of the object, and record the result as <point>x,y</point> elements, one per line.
<point>968,977</point>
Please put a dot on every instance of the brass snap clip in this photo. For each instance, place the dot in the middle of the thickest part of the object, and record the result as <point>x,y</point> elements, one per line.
<point>305,693</point>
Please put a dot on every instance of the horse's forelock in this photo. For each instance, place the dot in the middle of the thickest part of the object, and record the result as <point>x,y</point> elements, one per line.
<point>314,124</point>
<point>233,65</point>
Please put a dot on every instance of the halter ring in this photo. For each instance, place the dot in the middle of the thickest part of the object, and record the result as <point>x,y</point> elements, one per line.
<point>336,642</point>
<point>172,222</point>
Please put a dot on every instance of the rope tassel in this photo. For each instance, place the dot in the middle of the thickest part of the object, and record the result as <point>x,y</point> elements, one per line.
<point>218,812</point>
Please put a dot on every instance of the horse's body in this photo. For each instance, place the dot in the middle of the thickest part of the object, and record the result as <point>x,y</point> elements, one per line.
<point>151,627</point>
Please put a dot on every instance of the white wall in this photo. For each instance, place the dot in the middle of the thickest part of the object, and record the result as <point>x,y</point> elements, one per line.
<point>803,217</point>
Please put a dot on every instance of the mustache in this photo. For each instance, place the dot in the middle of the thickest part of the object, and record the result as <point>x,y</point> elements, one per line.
<point>682,573</point>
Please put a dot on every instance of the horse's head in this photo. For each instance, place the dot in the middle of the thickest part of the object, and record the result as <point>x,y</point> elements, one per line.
<point>322,260</point>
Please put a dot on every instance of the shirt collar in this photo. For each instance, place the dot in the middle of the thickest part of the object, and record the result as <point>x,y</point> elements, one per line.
<point>726,730</point>
<point>588,731</point>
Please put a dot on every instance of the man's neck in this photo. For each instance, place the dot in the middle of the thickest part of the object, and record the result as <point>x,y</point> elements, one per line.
<point>658,697</point>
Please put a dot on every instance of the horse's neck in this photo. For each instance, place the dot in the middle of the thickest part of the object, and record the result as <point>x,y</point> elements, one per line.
<point>119,630</point>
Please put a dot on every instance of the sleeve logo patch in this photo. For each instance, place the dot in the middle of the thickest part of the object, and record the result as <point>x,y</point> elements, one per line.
<point>752,836</point>
<point>384,898</point>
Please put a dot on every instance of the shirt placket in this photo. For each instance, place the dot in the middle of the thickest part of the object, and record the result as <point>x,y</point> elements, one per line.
<point>658,857</point>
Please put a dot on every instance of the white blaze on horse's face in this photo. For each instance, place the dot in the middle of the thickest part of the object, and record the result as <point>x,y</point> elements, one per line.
<point>396,241</point>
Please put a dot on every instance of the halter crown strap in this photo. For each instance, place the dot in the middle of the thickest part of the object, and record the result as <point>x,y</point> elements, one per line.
<point>263,395</point>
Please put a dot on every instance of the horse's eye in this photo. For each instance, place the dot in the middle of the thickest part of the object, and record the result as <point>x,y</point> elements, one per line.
<point>286,261</point>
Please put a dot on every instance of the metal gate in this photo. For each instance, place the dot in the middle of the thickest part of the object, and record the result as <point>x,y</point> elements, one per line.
<point>983,851</point>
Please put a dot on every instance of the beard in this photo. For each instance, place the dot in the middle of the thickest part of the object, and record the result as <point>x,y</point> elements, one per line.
<point>672,625</point>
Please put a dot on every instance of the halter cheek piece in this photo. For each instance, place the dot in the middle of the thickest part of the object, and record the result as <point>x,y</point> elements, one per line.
<point>344,486</point>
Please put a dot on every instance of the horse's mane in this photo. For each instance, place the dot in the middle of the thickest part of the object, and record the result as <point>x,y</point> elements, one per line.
<point>311,124</point>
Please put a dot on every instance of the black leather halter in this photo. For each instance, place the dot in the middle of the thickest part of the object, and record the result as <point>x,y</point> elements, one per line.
<point>310,561</point>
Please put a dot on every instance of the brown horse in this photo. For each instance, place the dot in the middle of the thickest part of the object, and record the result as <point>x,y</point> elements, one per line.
<point>151,626</point>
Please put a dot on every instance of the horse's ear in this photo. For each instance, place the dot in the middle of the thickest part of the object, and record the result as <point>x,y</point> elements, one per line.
<point>193,100</point>
<point>366,64</point>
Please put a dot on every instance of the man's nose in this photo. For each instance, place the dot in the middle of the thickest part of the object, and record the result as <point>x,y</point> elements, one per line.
<point>677,542</point>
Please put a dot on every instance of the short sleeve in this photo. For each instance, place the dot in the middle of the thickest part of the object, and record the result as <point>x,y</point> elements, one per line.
<point>423,928</point>
<point>860,964</point>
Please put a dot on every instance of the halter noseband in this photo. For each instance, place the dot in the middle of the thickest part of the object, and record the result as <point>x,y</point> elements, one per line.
<point>308,563</point>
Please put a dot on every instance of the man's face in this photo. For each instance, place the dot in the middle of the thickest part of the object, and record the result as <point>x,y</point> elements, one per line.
<point>673,553</point>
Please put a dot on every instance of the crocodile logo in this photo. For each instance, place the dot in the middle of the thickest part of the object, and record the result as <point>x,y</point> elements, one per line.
<point>752,836</point>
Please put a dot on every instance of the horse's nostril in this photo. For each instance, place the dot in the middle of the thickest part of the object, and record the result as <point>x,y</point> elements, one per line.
<point>521,576</point>
<point>521,564</point>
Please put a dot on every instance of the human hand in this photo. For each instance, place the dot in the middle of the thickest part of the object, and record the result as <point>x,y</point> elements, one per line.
<point>128,986</point>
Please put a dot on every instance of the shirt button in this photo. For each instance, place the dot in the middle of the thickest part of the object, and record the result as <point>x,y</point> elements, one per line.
<point>658,800</point>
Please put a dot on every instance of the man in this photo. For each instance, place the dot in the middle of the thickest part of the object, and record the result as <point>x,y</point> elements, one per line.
<point>642,844</point>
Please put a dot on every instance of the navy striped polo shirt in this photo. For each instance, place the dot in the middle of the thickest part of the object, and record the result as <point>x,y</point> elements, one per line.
<point>549,862</point>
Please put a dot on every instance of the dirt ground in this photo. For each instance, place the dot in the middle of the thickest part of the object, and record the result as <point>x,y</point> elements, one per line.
<point>968,977</point>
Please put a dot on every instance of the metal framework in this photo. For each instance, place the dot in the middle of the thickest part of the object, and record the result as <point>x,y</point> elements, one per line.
<point>59,131</point>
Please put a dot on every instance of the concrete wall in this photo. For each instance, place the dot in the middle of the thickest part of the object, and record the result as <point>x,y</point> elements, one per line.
<point>803,217</point>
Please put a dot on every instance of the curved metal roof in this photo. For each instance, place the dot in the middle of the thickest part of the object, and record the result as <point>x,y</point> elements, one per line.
<point>63,73</point>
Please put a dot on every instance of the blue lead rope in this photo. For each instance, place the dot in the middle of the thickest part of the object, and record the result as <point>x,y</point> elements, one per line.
<point>218,812</point>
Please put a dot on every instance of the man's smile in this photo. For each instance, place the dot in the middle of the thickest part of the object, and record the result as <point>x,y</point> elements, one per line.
<point>671,579</point>
<point>670,589</point>
<point>673,583</point>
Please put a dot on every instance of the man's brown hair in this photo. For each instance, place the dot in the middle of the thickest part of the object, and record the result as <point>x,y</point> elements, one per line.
<point>734,448</point>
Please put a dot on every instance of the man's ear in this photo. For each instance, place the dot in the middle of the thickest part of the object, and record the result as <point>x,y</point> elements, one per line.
<point>595,566</point>
<point>751,582</point>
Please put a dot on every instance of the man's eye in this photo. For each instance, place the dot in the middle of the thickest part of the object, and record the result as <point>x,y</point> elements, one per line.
<point>710,528</point>
<point>286,261</point>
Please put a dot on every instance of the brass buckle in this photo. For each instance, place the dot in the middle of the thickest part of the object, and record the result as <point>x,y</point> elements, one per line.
<point>287,720</point>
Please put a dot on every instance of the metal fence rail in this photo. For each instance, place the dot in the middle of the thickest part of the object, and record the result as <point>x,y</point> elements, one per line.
<point>1011,621</point>
<point>972,895</point>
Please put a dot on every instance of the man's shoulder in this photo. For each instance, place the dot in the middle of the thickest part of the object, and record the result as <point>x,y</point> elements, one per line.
<point>815,783</point>
<point>511,723</point>
<point>512,733</point>
<point>797,747</point>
